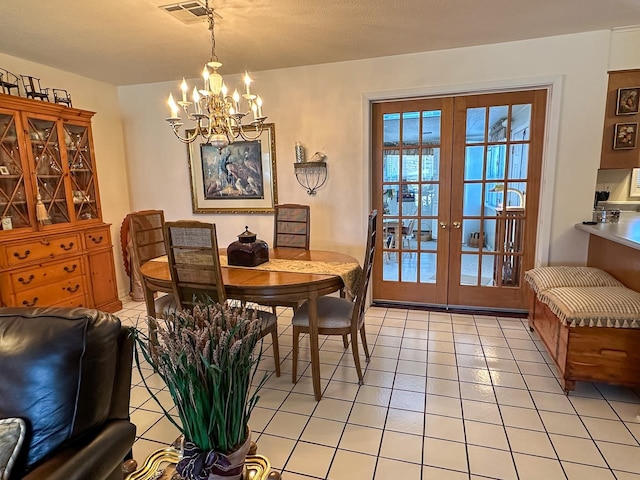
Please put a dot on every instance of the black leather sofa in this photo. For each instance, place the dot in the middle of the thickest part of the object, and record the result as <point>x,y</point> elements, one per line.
<point>67,373</point>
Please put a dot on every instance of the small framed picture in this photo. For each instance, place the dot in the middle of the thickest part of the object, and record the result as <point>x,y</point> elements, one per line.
<point>628,101</point>
<point>4,170</point>
<point>625,136</point>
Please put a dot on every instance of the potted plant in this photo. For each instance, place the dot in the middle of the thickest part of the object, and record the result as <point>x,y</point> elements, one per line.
<point>206,358</point>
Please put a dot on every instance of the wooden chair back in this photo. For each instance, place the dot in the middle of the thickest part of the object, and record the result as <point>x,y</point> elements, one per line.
<point>292,226</point>
<point>8,82</point>
<point>360,293</point>
<point>32,88</point>
<point>196,274</point>
<point>147,235</point>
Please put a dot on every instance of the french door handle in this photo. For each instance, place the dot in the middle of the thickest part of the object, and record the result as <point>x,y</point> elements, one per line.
<point>443,225</point>
<point>456,224</point>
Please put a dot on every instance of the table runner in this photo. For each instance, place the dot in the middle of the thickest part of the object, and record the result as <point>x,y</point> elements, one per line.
<point>349,272</point>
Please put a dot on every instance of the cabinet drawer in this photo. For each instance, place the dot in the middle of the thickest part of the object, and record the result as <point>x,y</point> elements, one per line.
<point>53,293</point>
<point>73,302</point>
<point>44,247</point>
<point>43,274</point>
<point>97,238</point>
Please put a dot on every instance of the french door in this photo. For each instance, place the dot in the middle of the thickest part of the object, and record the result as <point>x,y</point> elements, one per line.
<point>457,181</point>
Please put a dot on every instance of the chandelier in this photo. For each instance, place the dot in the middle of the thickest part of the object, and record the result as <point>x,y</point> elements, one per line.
<point>218,117</point>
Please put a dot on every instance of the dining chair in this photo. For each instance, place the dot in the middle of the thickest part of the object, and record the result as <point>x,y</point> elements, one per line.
<point>291,229</point>
<point>292,226</point>
<point>146,228</point>
<point>196,273</point>
<point>32,88</point>
<point>341,316</point>
<point>8,82</point>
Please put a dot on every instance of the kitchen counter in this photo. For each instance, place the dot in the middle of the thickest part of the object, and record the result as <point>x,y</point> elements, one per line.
<point>625,232</point>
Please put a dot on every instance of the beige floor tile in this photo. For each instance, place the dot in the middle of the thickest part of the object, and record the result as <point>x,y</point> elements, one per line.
<point>593,407</point>
<point>542,384</point>
<point>506,379</point>
<point>271,398</point>
<point>537,468</point>
<point>162,431</point>
<point>413,383</point>
<point>377,378</point>
<point>323,432</point>
<point>143,420</point>
<point>387,469</point>
<point>361,439</point>
<point>383,364</point>
<point>481,412</point>
<point>485,434</point>
<point>368,415</point>
<point>413,355</point>
<point>474,375</point>
<point>388,341</point>
<point>609,430</point>
<point>530,442</point>
<point>299,403</point>
<point>552,402</point>
<point>288,425</point>
<point>401,446</point>
<point>575,471</point>
<point>341,390</point>
<point>621,457</point>
<point>478,392</point>
<point>333,409</point>
<point>374,395</point>
<point>491,463</point>
<point>445,454</point>
<point>143,448</point>
<point>471,361</point>
<point>405,400</point>
<point>445,428</point>
<point>628,412</point>
<point>514,397</point>
<point>441,405</point>
<point>387,352</point>
<point>433,473</point>
<point>448,372</point>
<point>439,386</point>
<point>626,475</point>
<point>405,421</point>
<point>308,459</point>
<point>521,418</point>
<point>441,358</point>
<point>412,368</point>
<point>352,466</point>
<point>276,449</point>
<point>563,424</point>
<point>260,417</point>
<point>501,365</point>
<point>435,346</point>
<point>577,450</point>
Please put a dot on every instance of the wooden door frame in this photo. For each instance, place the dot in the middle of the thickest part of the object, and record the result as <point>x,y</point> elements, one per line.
<point>552,83</point>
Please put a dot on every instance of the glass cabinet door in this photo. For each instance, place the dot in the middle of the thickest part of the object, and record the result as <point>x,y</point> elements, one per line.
<point>14,207</point>
<point>48,169</point>
<point>82,172</point>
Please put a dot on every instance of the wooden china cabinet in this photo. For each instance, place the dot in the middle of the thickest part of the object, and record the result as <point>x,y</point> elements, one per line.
<point>55,251</point>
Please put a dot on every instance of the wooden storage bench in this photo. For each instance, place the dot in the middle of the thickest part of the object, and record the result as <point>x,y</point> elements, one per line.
<point>591,332</point>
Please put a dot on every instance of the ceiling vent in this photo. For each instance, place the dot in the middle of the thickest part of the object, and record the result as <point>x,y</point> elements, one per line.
<point>187,12</point>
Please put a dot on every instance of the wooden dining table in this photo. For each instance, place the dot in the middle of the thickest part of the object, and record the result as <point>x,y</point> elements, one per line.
<point>257,285</point>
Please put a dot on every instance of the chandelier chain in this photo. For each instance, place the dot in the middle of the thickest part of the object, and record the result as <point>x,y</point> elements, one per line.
<point>212,24</point>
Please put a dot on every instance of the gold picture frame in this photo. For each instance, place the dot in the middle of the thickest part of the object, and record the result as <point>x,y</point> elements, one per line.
<point>240,178</point>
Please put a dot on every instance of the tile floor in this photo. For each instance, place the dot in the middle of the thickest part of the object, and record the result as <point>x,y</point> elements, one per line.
<point>446,396</point>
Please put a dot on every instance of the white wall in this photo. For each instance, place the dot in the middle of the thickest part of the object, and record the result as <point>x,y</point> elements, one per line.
<point>325,107</point>
<point>102,98</point>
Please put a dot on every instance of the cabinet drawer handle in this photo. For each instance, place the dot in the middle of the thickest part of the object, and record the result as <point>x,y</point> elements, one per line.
<point>22,257</point>
<point>44,242</point>
<point>65,247</point>
<point>30,304</point>
<point>27,281</point>
<point>70,269</point>
<point>72,289</point>
<point>96,239</point>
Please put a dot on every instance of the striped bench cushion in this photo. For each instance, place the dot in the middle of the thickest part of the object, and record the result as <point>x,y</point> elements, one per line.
<point>544,278</point>
<point>594,306</point>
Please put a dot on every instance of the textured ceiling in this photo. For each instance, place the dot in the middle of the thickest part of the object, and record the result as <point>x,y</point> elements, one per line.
<point>133,41</point>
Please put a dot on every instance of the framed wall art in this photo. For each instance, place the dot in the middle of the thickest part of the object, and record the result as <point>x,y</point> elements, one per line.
<point>628,102</point>
<point>625,136</point>
<point>240,178</point>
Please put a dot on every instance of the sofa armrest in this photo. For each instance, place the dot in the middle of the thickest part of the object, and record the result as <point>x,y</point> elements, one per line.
<point>99,457</point>
<point>122,384</point>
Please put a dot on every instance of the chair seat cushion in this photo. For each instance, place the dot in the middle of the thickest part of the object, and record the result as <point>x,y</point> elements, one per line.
<point>594,306</point>
<point>267,319</point>
<point>12,433</point>
<point>333,312</point>
<point>544,278</point>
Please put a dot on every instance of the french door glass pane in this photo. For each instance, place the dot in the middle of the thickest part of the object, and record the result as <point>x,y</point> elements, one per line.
<point>428,264</point>
<point>430,164</point>
<point>469,269</point>
<point>473,160</point>
<point>390,165</point>
<point>429,200</point>
<point>472,199</point>
<point>496,162</point>
<point>476,125</point>
<point>498,120</point>
<point>519,161</point>
<point>410,165</point>
<point>431,125</point>
<point>410,128</point>
<point>520,122</point>
<point>390,129</point>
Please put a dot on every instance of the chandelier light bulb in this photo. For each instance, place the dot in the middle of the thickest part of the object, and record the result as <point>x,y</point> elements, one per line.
<point>184,88</point>
<point>205,75</point>
<point>247,82</point>
<point>259,104</point>
<point>173,106</point>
